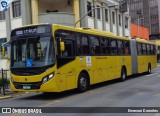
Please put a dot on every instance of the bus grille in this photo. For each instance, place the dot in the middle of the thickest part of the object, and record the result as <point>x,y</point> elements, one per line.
<point>32,85</point>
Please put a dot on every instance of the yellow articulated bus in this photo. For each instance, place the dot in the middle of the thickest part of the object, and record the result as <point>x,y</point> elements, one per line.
<point>56,58</point>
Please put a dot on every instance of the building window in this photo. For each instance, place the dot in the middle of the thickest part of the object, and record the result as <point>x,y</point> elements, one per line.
<point>2,15</point>
<point>89,8</point>
<point>16,8</point>
<point>120,20</point>
<point>113,17</point>
<point>98,12</point>
<point>106,15</point>
<point>126,22</point>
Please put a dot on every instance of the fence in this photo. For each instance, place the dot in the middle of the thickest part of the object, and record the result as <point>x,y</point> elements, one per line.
<point>4,82</point>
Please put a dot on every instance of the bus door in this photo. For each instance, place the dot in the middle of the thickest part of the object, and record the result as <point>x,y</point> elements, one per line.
<point>104,61</point>
<point>66,64</point>
<point>97,63</point>
<point>114,68</point>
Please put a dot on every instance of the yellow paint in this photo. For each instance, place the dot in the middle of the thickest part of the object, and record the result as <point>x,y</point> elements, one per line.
<point>144,60</point>
<point>76,12</point>
<point>34,5</point>
<point>103,68</point>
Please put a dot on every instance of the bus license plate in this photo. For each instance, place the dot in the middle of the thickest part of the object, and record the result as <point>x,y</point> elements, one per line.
<point>26,87</point>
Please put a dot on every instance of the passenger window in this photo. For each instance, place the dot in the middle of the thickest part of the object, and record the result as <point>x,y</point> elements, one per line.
<point>126,48</point>
<point>148,49</point>
<point>69,49</point>
<point>120,47</point>
<point>139,47</point>
<point>79,47</point>
<point>113,47</point>
<point>95,45</point>
<point>85,45</point>
<point>144,49</point>
<point>105,46</point>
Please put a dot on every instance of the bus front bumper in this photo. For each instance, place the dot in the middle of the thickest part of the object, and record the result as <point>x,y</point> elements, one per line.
<point>50,86</point>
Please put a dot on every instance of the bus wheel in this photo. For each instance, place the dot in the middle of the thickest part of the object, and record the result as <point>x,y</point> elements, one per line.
<point>149,69</point>
<point>83,82</point>
<point>123,75</point>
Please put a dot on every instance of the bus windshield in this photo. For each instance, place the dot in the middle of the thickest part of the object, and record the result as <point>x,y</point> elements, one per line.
<point>32,52</point>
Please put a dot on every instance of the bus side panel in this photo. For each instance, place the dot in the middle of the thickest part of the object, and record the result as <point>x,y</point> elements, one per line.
<point>114,67</point>
<point>68,75</point>
<point>103,65</point>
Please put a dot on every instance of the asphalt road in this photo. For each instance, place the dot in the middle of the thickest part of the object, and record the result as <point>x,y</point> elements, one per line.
<point>137,91</point>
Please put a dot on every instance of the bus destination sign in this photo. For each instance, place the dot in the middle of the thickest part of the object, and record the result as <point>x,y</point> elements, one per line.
<point>31,30</point>
<point>26,31</point>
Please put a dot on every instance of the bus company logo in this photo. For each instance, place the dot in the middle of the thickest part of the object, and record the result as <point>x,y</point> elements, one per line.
<point>6,110</point>
<point>5,4</point>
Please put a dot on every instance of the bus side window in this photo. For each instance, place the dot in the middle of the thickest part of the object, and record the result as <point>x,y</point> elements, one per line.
<point>95,45</point>
<point>105,46</point>
<point>69,49</point>
<point>85,45</point>
<point>113,46</point>
<point>120,47</point>
<point>152,50</point>
<point>148,49</point>
<point>126,48</point>
<point>139,48</point>
<point>144,49</point>
<point>79,47</point>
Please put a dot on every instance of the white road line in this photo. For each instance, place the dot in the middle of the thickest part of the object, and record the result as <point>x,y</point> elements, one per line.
<point>152,74</point>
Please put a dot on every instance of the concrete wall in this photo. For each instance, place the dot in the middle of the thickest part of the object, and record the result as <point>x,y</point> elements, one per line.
<point>60,6</point>
<point>3,29</point>
<point>16,22</point>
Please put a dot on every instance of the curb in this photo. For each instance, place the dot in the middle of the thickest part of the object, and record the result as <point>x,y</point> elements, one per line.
<point>12,96</point>
<point>5,97</point>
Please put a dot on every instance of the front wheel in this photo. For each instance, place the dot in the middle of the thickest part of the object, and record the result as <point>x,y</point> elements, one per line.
<point>83,82</point>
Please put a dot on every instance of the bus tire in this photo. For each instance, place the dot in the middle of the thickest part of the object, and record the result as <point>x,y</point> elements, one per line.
<point>83,82</point>
<point>123,74</point>
<point>149,68</point>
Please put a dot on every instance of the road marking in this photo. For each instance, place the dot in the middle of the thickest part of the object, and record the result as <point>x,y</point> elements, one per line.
<point>152,74</point>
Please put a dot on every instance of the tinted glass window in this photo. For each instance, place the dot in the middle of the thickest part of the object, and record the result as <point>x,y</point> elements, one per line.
<point>105,46</point>
<point>79,48</point>
<point>95,45</point>
<point>120,47</point>
<point>144,49</point>
<point>148,49</point>
<point>139,47</point>
<point>113,47</point>
<point>126,48</point>
<point>85,45</point>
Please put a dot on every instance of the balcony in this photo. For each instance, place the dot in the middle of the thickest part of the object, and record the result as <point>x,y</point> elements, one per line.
<point>62,18</point>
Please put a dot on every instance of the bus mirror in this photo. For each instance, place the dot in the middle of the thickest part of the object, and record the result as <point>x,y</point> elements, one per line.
<point>62,46</point>
<point>3,53</point>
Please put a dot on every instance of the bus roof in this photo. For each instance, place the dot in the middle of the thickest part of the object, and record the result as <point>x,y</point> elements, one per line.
<point>144,41</point>
<point>91,31</point>
<point>82,30</point>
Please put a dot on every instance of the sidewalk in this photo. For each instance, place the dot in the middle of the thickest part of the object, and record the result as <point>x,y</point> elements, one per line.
<point>11,95</point>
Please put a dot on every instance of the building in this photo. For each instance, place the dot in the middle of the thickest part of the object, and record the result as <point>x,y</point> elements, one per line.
<point>146,13</point>
<point>65,12</point>
<point>139,31</point>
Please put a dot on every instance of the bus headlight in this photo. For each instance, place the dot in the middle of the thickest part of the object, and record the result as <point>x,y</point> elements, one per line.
<point>47,78</point>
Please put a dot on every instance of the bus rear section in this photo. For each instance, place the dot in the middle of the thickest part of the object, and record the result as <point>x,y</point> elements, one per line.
<point>143,56</point>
